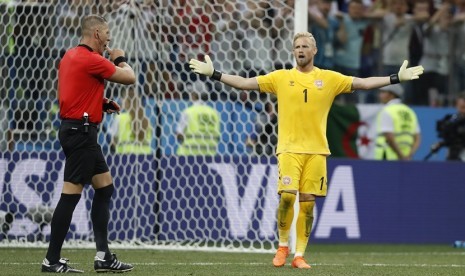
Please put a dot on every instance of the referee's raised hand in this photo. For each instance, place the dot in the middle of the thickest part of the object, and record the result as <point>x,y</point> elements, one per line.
<point>114,53</point>
<point>124,73</point>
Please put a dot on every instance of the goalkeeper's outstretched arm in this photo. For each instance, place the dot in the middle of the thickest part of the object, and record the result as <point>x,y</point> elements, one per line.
<point>206,69</point>
<point>404,74</point>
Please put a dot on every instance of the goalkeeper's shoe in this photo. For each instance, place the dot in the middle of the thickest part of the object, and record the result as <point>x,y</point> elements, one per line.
<point>280,257</point>
<point>299,262</point>
<point>60,267</point>
<point>111,265</point>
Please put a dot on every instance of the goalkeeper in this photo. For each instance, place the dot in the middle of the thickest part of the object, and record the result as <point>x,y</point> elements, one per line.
<point>305,94</point>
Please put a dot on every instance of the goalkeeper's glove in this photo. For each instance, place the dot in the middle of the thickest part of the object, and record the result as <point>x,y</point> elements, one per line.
<point>205,68</point>
<point>406,74</point>
<point>110,106</point>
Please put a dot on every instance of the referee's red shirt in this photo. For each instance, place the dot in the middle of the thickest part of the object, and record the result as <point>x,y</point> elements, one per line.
<point>81,81</point>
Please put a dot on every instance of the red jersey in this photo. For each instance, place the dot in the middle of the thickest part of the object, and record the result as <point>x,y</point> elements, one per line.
<point>81,81</point>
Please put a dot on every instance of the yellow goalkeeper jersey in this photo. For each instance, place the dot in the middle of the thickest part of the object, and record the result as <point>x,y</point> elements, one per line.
<point>304,101</point>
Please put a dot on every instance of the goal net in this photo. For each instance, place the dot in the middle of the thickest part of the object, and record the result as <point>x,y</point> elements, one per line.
<point>164,196</point>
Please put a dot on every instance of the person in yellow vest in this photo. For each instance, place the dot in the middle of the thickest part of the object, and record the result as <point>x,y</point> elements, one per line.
<point>198,130</point>
<point>131,130</point>
<point>398,131</point>
<point>7,42</point>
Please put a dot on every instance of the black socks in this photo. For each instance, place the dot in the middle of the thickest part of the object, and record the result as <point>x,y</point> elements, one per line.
<point>100,215</point>
<point>60,225</point>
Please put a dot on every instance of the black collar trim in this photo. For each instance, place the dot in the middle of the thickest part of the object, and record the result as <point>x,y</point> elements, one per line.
<point>85,46</point>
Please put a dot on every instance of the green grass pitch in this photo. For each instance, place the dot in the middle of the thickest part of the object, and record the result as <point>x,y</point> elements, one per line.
<point>334,259</point>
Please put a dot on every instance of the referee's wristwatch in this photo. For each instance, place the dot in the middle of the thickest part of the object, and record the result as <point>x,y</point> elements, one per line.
<point>120,59</point>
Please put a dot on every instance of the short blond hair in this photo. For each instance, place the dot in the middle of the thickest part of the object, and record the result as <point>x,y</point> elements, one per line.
<point>91,22</point>
<point>303,34</point>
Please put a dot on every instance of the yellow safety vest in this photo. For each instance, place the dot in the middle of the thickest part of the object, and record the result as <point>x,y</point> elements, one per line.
<point>127,141</point>
<point>202,133</point>
<point>7,41</point>
<point>405,126</point>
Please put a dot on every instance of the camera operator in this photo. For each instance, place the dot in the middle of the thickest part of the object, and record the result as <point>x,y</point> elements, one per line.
<point>452,130</point>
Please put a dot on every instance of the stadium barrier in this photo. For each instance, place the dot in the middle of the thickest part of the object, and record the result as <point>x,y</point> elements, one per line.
<point>230,202</point>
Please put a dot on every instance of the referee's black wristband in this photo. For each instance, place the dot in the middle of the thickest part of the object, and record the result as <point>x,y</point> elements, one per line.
<point>216,75</point>
<point>120,59</point>
<point>394,78</point>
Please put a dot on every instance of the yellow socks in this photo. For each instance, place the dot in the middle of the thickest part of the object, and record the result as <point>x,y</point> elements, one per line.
<point>285,216</point>
<point>304,226</point>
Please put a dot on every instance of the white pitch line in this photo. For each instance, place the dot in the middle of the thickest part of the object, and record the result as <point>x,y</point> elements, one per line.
<point>268,264</point>
<point>395,254</point>
<point>212,264</point>
<point>415,265</point>
<point>185,264</point>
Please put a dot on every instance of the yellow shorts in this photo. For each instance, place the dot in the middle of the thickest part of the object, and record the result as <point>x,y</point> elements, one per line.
<point>305,173</point>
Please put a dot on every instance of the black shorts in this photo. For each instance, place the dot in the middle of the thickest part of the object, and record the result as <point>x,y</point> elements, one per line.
<point>84,157</point>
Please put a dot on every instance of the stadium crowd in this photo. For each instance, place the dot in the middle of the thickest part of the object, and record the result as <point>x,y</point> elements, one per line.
<point>357,37</point>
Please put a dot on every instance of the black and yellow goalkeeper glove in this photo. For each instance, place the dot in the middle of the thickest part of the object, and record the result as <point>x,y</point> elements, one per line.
<point>406,74</point>
<point>205,68</point>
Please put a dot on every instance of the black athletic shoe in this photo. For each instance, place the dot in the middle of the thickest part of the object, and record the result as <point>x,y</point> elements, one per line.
<point>112,265</point>
<point>60,267</point>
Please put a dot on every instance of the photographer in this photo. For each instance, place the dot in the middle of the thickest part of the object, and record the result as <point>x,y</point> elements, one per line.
<point>452,130</point>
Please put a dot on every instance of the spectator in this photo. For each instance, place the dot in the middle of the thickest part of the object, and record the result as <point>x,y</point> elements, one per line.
<point>397,28</point>
<point>256,42</point>
<point>68,18</point>
<point>458,49</point>
<point>226,37</point>
<point>132,28</point>
<point>435,58</point>
<point>283,19</point>
<point>349,40</point>
<point>398,131</point>
<point>131,130</point>
<point>198,130</point>
<point>224,15</point>
<point>421,15</point>
<point>192,25</point>
<point>323,27</point>
<point>29,47</point>
<point>265,139</point>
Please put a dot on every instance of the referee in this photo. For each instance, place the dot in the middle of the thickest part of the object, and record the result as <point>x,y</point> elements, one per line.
<point>81,82</point>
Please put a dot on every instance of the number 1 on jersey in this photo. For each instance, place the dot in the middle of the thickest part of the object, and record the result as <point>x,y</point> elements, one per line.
<point>305,95</point>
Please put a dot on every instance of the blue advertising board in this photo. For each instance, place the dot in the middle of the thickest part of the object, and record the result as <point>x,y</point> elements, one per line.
<point>234,198</point>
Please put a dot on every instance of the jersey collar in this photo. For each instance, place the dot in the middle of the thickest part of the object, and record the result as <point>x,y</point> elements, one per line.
<point>86,46</point>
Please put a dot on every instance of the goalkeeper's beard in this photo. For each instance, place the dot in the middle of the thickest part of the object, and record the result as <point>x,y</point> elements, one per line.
<point>303,62</point>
